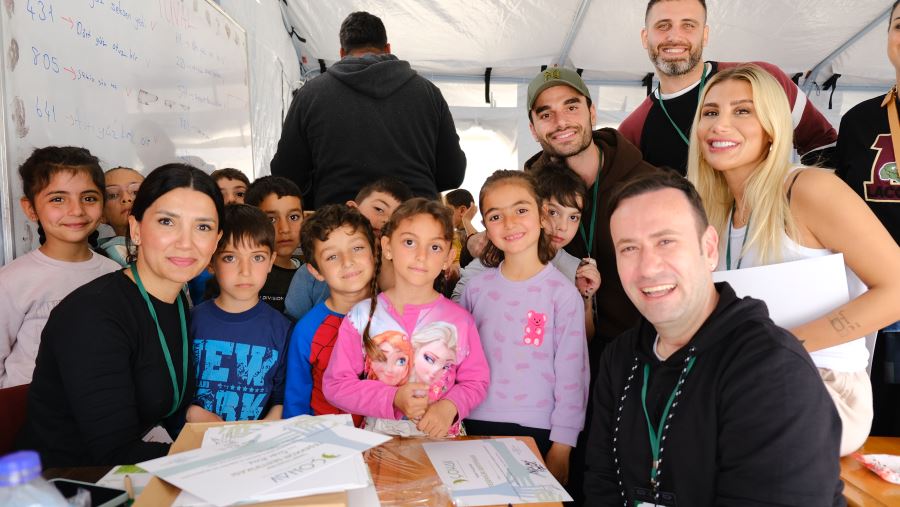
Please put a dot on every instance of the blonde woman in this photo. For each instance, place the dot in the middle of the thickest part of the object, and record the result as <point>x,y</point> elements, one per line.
<point>768,211</point>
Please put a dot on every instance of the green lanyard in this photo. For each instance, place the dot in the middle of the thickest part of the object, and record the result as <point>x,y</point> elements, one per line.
<point>656,436</point>
<point>662,105</point>
<point>589,239</point>
<point>176,396</point>
<point>728,244</point>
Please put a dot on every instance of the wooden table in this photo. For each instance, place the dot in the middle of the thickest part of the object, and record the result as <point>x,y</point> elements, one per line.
<point>862,487</point>
<point>400,469</point>
<point>403,473</point>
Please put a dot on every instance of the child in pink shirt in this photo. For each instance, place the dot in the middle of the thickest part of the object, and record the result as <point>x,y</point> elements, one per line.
<point>410,360</point>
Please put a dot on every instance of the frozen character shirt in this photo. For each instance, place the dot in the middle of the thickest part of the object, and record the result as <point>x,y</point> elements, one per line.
<point>435,343</point>
<point>393,370</point>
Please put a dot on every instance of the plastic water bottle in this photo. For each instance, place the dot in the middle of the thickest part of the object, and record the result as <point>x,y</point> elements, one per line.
<point>21,484</point>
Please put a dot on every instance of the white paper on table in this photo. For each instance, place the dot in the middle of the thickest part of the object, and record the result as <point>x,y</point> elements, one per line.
<point>795,292</point>
<point>278,454</point>
<point>350,474</point>
<point>493,471</point>
<point>235,435</point>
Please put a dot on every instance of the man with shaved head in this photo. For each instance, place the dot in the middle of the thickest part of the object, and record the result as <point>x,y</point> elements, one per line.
<point>674,35</point>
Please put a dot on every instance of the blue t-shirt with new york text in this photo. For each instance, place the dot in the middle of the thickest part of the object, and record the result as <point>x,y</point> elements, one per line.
<point>240,359</point>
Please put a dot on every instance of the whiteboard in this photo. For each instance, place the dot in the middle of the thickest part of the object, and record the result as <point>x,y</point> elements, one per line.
<point>139,83</point>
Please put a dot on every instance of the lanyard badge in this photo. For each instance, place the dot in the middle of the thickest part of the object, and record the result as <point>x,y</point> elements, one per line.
<point>176,395</point>
<point>589,237</point>
<point>662,105</point>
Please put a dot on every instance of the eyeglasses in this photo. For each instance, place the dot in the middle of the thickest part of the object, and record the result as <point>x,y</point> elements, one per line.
<point>114,192</point>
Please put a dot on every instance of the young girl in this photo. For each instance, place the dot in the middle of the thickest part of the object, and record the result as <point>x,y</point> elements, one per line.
<point>122,184</point>
<point>532,320</point>
<point>63,189</point>
<point>417,240</point>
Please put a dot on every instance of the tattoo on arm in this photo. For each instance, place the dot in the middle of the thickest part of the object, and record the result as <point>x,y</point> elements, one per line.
<point>842,325</point>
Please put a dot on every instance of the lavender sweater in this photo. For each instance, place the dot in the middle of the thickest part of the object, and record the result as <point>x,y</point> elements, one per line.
<point>534,339</point>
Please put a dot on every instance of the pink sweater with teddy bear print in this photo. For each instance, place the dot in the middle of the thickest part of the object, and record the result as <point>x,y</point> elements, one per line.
<point>534,339</point>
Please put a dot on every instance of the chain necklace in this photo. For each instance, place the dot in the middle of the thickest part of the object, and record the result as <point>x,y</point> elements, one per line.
<point>656,466</point>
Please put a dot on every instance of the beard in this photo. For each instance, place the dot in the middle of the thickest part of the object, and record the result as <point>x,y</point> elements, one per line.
<point>675,67</point>
<point>562,152</point>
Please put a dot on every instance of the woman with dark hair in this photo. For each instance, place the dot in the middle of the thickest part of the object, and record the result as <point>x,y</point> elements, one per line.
<point>113,362</point>
<point>868,145</point>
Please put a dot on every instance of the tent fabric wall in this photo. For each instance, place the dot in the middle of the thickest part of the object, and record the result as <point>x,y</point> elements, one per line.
<point>274,70</point>
<point>516,37</point>
<point>452,42</point>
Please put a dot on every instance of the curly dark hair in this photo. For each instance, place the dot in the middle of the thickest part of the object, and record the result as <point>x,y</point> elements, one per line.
<point>326,219</point>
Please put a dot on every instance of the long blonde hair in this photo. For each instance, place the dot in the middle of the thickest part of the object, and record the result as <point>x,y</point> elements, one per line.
<point>764,193</point>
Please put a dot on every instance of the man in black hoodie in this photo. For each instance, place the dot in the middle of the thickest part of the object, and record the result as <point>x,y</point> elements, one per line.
<point>367,117</point>
<point>706,402</point>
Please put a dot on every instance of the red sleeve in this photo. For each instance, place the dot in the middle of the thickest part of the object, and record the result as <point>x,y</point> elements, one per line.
<point>632,126</point>
<point>811,130</point>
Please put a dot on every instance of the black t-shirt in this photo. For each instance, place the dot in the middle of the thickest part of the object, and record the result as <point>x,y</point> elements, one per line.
<point>276,287</point>
<point>101,380</point>
<point>660,142</point>
<point>866,161</point>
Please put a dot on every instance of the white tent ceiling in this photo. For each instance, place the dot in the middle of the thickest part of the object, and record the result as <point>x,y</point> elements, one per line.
<point>452,42</point>
<point>458,39</point>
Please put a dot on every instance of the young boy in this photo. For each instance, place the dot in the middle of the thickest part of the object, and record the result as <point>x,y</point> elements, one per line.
<point>233,184</point>
<point>239,341</point>
<point>462,204</point>
<point>339,245</point>
<point>279,198</point>
<point>122,184</point>
<point>376,202</point>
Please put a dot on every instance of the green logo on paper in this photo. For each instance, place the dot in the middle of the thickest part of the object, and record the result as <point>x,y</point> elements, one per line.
<point>455,472</point>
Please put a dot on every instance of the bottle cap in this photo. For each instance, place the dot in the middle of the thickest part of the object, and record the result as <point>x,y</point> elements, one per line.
<point>19,468</point>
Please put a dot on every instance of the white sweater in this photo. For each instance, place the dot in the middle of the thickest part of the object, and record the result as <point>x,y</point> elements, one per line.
<point>30,287</point>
